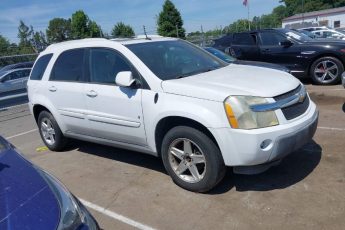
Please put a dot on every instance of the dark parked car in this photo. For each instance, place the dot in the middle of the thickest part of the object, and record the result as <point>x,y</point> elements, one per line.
<point>30,198</point>
<point>322,60</point>
<point>20,65</point>
<point>14,81</point>
<point>229,59</point>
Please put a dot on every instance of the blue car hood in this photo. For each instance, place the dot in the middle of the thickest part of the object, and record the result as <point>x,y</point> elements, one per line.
<point>26,201</point>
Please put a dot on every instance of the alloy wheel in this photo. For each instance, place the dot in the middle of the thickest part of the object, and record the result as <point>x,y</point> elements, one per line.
<point>48,131</point>
<point>326,71</point>
<point>187,160</point>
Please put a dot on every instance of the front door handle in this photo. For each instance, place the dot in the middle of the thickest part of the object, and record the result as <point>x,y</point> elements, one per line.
<point>52,89</point>
<point>92,93</point>
<point>266,50</point>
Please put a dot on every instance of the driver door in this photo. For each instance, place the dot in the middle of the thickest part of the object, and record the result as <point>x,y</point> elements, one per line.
<point>114,112</point>
<point>271,51</point>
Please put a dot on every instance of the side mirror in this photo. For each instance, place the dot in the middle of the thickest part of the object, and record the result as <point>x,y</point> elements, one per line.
<point>124,79</point>
<point>286,43</point>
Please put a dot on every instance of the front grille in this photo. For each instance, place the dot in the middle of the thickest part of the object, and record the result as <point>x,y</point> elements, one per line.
<point>297,109</point>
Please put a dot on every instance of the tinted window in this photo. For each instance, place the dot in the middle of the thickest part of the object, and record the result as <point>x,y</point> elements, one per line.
<point>271,38</point>
<point>105,64</point>
<point>243,39</point>
<point>19,74</point>
<point>40,67</point>
<point>175,59</point>
<point>69,66</point>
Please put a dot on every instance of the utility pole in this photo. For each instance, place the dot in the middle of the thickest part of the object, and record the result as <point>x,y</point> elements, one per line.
<point>177,31</point>
<point>145,31</point>
<point>203,37</point>
<point>302,12</point>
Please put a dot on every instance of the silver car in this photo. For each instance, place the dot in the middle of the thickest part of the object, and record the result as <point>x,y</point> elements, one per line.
<point>14,80</point>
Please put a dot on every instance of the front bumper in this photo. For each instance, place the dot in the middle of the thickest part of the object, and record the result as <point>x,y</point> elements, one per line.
<point>262,146</point>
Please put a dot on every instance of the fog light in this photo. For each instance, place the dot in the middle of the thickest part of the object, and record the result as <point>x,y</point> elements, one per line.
<point>266,144</point>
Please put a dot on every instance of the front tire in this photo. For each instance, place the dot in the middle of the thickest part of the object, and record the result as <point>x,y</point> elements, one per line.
<point>50,132</point>
<point>326,71</point>
<point>192,159</point>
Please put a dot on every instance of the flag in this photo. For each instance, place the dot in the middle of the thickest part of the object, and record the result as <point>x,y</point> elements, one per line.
<point>245,2</point>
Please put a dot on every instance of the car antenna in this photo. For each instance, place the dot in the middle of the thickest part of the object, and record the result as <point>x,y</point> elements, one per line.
<point>147,38</point>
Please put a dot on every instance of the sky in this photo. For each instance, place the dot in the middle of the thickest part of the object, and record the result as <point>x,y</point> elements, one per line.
<point>210,14</point>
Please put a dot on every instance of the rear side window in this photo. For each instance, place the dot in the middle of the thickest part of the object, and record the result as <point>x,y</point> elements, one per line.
<point>40,67</point>
<point>243,39</point>
<point>105,64</point>
<point>69,66</point>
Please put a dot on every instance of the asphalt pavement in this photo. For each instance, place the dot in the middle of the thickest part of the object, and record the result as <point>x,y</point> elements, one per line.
<point>130,190</point>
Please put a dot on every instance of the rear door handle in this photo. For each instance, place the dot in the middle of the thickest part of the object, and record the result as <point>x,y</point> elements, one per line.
<point>52,89</point>
<point>92,93</point>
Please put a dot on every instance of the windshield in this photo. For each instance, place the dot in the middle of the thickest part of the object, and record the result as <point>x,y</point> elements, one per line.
<point>298,36</point>
<point>220,54</point>
<point>175,59</point>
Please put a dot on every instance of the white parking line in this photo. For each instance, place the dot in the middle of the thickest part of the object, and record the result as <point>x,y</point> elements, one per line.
<point>21,134</point>
<point>330,128</point>
<point>116,216</point>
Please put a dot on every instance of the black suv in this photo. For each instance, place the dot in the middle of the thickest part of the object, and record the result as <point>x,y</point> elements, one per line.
<point>322,60</point>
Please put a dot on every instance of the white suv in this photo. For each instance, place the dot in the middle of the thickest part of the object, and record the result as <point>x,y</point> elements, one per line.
<point>171,99</point>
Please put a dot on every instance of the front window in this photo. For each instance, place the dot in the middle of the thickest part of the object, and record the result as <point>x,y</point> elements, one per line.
<point>297,36</point>
<point>175,59</point>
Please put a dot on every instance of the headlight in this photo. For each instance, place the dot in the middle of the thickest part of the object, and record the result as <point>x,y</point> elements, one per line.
<point>73,214</point>
<point>240,115</point>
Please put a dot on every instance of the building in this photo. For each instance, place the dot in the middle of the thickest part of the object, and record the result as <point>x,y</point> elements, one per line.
<point>333,18</point>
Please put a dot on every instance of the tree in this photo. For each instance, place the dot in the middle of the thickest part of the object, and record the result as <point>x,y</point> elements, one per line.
<point>122,30</point>
<point>39,41</point>
<point>4,45</point>
<point>95,30</point>
<point>83,27</point>
<point>170,22</point>
<point>79,25</point>
<point>59,29</point>
<point>24,34</point>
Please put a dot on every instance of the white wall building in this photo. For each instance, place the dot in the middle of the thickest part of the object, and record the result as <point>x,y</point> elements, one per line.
<point>333,18</point>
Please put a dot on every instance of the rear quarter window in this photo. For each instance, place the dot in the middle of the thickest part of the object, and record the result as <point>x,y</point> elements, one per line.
<point>243,39</point>
<point>40,67</point>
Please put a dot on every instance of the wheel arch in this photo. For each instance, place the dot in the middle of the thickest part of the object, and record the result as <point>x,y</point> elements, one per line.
<point>37,109</point>
<point>167,123</point>
<point>322,55</point>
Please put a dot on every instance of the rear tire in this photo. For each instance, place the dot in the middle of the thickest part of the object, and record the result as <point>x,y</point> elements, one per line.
<point>326,71</point>
<point>192,159</point>
<point>50,132</point>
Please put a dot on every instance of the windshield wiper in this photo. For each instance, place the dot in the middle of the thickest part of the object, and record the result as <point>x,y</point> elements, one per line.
<point>195,72</point>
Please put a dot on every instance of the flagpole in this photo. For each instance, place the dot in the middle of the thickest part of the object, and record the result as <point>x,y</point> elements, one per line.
<point>248,15</point>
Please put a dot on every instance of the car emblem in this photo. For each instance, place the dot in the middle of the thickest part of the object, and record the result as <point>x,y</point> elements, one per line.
<point>301,96</point>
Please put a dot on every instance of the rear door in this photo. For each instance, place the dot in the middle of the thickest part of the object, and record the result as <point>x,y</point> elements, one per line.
<point>66,90</point>
<point>244,46</point>
<point>271,51</point>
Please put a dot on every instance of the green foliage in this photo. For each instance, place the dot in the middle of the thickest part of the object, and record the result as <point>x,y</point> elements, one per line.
<point>24,34</point>
<point>170,22</point>
<point>79,25</point>
<point>59,29</point>
<point>95,30</point>
<point>39,41</point>
<point>295,6</point>
<point>83,27</point>
<point>122,30</point>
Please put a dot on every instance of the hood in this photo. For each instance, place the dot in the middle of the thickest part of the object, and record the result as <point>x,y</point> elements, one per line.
<point>262,64</point>
<point>26,201</point>
<point>233,80</point>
